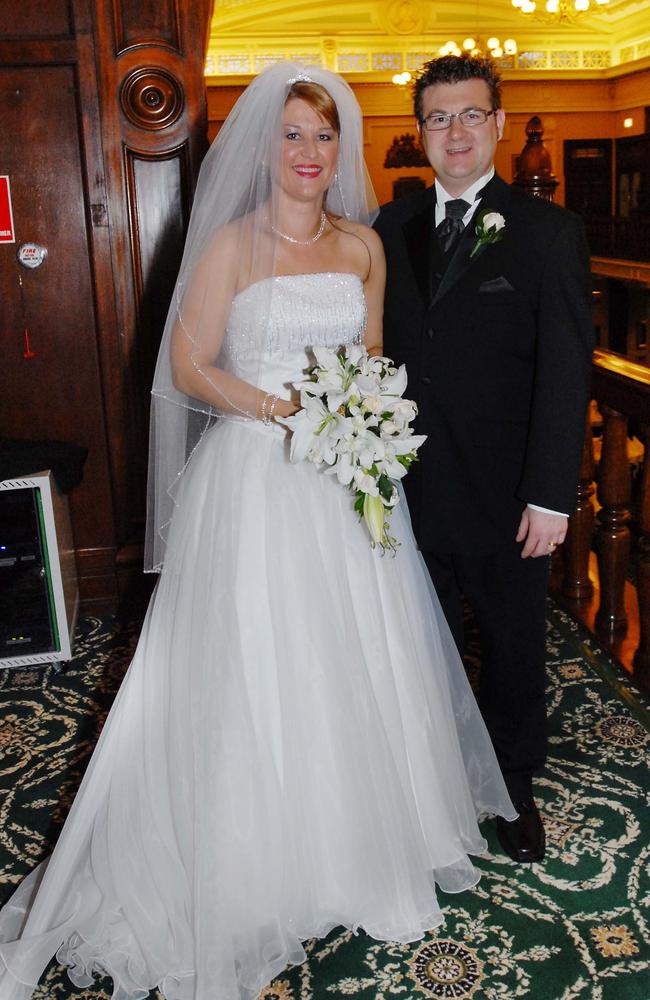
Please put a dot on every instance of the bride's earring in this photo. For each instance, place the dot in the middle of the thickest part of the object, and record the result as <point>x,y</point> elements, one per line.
<point>339,186</point>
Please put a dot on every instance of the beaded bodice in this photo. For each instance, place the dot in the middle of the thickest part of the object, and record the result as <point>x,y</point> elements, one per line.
<point>274,322</point>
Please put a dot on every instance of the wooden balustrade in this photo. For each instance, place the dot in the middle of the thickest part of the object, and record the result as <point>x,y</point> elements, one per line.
<point>613,538</point>
<point>642,655</point>
<point>622,390</point>
<point>576,583</point>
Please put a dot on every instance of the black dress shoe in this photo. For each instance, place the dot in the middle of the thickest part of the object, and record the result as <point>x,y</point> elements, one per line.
<point>523,840</point>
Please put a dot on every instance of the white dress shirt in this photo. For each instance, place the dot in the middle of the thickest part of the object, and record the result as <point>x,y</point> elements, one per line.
<point>442,197</point>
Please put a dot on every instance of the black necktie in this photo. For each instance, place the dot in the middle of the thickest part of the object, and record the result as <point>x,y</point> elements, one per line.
<point>452,225</point>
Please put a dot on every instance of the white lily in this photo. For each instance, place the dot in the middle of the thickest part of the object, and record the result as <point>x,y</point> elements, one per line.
<point>367,448</point>
<point>395,447</point>
<point>373,515</point>
<point>394,385</point>
<point>316,431</point>
<point>357,355</point>
<point>327,360</point>
<point>344,468</point>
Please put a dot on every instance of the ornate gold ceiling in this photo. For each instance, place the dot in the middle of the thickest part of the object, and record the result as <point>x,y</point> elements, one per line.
<point>371,41</point>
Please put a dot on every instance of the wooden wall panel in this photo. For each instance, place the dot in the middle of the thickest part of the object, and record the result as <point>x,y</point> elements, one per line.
<point>29,19</point>
<point>158,196</point>
<point>57,393</point>
<point>147,22</point>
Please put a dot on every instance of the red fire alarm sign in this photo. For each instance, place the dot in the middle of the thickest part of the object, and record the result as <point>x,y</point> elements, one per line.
<point>7,234</point>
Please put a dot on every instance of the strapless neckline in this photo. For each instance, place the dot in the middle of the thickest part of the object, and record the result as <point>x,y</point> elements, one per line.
<point>300,275</point>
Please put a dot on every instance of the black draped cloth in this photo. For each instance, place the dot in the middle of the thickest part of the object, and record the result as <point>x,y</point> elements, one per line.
<point>24,458</point>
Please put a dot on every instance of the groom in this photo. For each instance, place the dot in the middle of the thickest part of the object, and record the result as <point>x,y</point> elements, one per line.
<point>488,304</point>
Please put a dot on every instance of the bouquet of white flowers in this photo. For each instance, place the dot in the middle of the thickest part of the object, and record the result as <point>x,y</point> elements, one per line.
<point>354,420</point>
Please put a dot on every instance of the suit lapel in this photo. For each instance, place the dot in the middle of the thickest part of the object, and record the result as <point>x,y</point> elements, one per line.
<point>496,196</point>
<point>418,234</point>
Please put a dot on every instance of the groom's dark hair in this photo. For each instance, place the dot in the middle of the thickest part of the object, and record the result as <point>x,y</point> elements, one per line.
<point>456,69</point>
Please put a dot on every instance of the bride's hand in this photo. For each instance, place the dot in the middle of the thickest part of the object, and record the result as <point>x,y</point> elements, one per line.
<point>286,408</point>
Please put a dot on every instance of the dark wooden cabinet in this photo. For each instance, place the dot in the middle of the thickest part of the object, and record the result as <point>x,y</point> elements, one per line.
<point>633,177</point>
<point>588,176</point>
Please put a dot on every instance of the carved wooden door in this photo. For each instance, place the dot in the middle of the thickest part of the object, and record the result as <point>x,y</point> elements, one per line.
<point>102,129</point>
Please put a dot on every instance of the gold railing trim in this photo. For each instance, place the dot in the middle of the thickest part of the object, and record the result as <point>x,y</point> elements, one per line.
<point>626,270</point>
<point>620,365</point>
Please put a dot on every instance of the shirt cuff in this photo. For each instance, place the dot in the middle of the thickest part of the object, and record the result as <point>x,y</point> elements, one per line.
<point>545,510</point>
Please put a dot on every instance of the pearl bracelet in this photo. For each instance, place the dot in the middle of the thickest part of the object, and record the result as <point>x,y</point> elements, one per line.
<point>267,418</point>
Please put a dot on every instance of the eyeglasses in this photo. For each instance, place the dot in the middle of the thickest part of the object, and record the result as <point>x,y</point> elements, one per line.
<point>474,116</point>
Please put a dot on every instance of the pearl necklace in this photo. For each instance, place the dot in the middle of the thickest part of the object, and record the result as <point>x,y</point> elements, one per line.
<point>303,243</point>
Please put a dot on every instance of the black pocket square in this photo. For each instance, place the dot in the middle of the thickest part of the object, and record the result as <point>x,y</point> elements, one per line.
<point>499,284</point>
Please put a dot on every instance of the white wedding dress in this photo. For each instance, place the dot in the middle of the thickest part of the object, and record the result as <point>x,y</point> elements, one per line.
<point>295,745</point>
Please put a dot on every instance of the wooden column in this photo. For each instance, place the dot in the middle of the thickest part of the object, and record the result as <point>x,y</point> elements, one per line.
<point>614,487</point>
<point>150,59</point>
<point>642,657</point>
<point>576,584</point>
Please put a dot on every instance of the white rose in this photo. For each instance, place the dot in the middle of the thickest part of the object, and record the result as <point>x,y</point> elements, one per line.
<point>373,404</point>
<point>365,482</point>
<point>404,411</point>
<point>493,220</point>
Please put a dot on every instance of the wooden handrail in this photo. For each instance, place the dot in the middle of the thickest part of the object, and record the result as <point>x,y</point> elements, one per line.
<point>621,389</point>
<point>621,384</point>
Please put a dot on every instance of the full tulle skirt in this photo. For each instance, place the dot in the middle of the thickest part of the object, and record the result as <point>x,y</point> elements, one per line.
<point>294,747</point>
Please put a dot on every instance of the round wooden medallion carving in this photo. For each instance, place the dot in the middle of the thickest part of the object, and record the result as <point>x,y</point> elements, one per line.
<point>151,98</point>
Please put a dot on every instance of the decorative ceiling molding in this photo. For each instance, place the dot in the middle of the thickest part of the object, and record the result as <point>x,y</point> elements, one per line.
<point>373,40</point>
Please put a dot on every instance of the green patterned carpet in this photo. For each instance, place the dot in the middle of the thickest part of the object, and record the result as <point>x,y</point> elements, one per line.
<point>573,928</point>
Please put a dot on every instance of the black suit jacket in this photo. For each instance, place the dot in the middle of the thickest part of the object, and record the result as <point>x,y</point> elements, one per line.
<point>498,352</point>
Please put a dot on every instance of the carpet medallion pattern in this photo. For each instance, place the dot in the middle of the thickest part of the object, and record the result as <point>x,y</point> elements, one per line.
<point>576,927</point>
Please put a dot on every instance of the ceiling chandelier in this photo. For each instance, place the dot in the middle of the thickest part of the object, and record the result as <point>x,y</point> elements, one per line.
<point>495,48</point>
<point>558,10</point>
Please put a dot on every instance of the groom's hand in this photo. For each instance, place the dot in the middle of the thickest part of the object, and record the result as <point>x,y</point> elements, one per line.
<point>541,532</point>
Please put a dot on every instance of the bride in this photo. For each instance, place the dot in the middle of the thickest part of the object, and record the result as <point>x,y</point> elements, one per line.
<point>295,745</point>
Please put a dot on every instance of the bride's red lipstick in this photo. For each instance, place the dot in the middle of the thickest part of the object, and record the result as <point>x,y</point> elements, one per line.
<point>308,169</point>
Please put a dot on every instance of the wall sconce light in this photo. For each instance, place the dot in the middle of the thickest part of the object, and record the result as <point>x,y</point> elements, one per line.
<point>401,79</point>
<point>628,122</point>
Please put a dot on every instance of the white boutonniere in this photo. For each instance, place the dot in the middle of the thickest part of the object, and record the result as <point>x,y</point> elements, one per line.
<point>489,229</point>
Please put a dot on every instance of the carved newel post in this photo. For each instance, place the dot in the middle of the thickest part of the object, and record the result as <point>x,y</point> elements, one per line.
<point>534,173</point>
<point>614,490</point>
<point>576,584</point>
